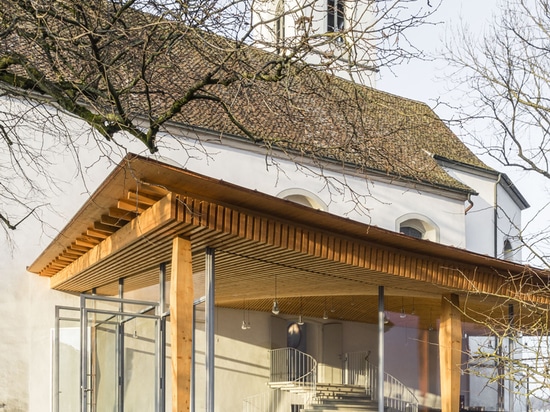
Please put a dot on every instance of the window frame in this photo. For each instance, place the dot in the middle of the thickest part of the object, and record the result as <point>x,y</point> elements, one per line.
<point>420,223</point>
<point>336,16</point>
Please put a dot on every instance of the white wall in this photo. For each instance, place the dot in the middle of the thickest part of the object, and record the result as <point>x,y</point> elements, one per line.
<point>376,203</point>
<point>480,220</point>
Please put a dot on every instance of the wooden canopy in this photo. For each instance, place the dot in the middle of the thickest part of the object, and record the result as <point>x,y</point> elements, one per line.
<point>319,261</point>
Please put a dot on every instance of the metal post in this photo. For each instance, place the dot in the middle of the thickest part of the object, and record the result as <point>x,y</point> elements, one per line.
<point>83,356</point>
<point>193,359</point>
<point>209,326</point>
<point>161,341</point>
<point>120,349</point>
<point>511,383</point>
<point>381,319</point>
<point>193,343</point>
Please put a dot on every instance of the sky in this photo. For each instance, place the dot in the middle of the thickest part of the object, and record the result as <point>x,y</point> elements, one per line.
<point>424,80</point>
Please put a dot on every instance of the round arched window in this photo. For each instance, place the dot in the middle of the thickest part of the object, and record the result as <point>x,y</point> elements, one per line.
<point>419,227</point>
<point>303,197</point>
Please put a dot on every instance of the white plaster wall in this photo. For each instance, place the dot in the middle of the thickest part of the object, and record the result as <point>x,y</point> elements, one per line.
<point>480,220</point>
<point>376,203</point>
<point>28,314</point>
<point>14,333</point>
<point>509,225</point>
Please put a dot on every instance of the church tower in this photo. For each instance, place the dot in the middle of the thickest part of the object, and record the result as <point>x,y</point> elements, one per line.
<point>332,35</point>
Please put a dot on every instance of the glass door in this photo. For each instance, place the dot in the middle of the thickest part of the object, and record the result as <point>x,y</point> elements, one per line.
<point>120,346</point>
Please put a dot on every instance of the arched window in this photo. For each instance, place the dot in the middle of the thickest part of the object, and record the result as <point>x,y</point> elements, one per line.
<point>411,231</point>
<point>303,197</point>
<point>508,250</point>
<point>418,226</point>
<point>280,23</point>
<point>335,15</point>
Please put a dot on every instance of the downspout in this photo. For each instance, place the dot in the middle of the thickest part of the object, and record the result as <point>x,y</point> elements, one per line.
<point>495,216</point>
<point>471,204</point>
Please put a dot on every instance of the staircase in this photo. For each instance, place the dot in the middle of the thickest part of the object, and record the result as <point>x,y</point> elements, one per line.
<point>345,398</point>
<point>294,386</point>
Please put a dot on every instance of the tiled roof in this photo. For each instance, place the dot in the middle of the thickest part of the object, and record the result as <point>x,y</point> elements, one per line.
<point>307,112</point>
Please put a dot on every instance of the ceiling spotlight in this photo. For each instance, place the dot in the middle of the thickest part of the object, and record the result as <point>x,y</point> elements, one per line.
<point>275,309</point>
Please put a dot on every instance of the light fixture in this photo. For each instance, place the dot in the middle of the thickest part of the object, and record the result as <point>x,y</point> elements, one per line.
<point>386,319</point>
<point>402,315</point>
<point>413,311</point>
<point>325,315</point>
<point>275,309</point>
<point>246,323</point>
<point>300,317</point>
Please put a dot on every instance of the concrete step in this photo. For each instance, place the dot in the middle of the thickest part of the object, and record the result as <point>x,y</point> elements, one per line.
<point>340,407</point>
<point>337,391</point>
<point>345,398</point>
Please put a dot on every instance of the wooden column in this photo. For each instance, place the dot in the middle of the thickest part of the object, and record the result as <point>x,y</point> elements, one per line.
<point>181,323</point>
<point>450,345</point>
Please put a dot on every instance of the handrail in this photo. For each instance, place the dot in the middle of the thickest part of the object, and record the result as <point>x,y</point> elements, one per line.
<point>359,371</point>
<point>293,366</point>
<point>293,379</point>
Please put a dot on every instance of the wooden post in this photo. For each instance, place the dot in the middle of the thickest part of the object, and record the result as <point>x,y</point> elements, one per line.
<point>181,323</point>
<point>450,345</point>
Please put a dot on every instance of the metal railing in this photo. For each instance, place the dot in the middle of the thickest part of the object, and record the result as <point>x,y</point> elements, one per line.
<point>275,400</point>
<point>293,377</point>
<point>358,370</point>
<point>293,366</point>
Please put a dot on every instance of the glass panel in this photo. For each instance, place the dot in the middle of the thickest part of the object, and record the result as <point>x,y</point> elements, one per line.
<point>67,366</point>
<point>140,364</point>
<point>103,352</point>
<point>122,354</point>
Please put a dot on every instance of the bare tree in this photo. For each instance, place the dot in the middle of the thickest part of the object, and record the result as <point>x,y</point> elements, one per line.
<point>131,67</point>
<point>505,77</point>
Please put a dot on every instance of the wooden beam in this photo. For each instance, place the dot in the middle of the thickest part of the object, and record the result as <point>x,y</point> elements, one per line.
<point>102,227</point>
<point>132,207</point>
<point>97,234</point>
<point>121,214</point>
<point>139,197</point>
<point>181,323</point>
<point>450,345</point>
<point>114,221</point>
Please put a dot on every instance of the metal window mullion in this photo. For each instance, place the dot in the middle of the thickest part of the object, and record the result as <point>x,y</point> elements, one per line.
<point>120,348</point>
<point>209,327</point>
<point>83,356</point>
<point>160,348</point>
<point>381,312</point>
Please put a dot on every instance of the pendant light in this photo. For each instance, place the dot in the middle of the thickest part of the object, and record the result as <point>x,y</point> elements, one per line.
<point>275,309</point>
